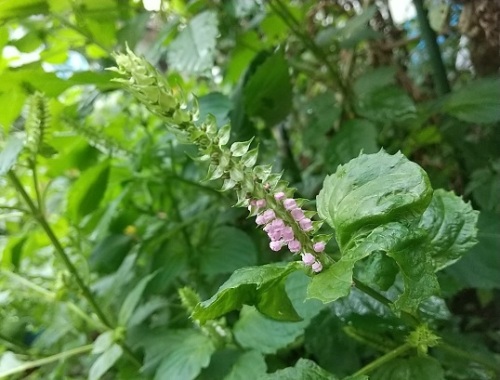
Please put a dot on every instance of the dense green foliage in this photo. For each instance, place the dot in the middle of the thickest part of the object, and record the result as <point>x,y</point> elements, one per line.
<point>144,153</point>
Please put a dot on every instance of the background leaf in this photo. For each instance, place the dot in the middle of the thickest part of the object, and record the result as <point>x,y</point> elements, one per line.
<point>193,50</point>
<point>9,154</point>
<point>105,361</point>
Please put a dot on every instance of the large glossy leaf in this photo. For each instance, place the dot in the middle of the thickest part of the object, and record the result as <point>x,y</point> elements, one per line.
<point>476,102</point>
<point>262,286</point>
<point>88,190</point>
<point>373,189</point>
<point>225,250</point>
<point>268,92</point>
<point>451,228</point>
<point>194,48</point>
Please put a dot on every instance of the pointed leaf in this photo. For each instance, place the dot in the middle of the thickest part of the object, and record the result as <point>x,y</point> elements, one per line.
<point>238,149</point>
<point>105,362</point>
<point>132,300</point>
<point>248,286</point>
<point>305,369</point>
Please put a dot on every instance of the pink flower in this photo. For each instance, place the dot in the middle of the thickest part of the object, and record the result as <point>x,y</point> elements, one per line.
<point>317,266</point>
<point>278,223</point>
<point>308,259</point>
<point>279,196</point>
<point>260,219</point>
<point>297,214</point>
<point>306,224</point>
<point>275,245</point>
<point>294,246</point>
<point>290,204</point>
<point>287,233</point>
<point>319,246</point>
<point>268,215</point>
<point>260,203</point>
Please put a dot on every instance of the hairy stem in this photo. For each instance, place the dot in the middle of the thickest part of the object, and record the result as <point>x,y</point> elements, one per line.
<point>383,359</point>
<point>61,253</point>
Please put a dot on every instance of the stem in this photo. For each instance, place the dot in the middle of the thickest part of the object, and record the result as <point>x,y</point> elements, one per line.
<point>47,360</point>
<point>383,359</point>
<point>52,297</point>
<point>429,36</point>
<point>36,185</point>
<point>469,356</point>
<point>61,253</point>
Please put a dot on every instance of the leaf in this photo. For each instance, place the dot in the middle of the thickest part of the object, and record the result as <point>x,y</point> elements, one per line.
<point>9,154</point>
<point>9,9</point>
<point>373,189</point>
<point>485,187</point>
<point>451,227</point>
<point>483,107</point>
<point>268,92</point>
<point>225,250</point>
<point>254,331</point>
<point>176,354</point>
<point>480,267</point>
<point>216,104</point>
<point>132,300</point>
<point>261,286</point>
<point>109,253</point>
<point>105,361</point>
<point>354,137</point>
<point>336,281</point>
<point>250,365</point>
<point>415,368</point>
<point>87,192</point>
<point>103,342</point>
<point>304,369</point>
<point>387,104</point>
<point>193,50</point>
<point>239,148</point>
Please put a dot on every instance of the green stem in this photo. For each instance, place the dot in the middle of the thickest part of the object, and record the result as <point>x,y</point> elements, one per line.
<point>383,359</point>
<point>36,185</point>
<point>436,60</point>
<point>47,360</point>
<point>469,356</point>
<point>52,297</point>
<point>61,253</point>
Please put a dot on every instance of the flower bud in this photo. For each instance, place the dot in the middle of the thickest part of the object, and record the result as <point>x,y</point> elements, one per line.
<point>308,259</point>
<point>294,246</point>
<point>319,246</point>
<point>290,204</point>
<point>317,267</point>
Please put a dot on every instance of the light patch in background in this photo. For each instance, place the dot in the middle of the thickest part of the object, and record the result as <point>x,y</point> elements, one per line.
<point>152,5</point>
<point>402,10</point>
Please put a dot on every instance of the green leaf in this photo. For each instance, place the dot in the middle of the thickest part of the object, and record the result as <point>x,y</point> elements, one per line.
<point>415,368</point>
<point>250,365</point>
<point>336,281</point>
<point>216,104</point>
<point>480,267</point>
<point>483,107</point>
<point>304,369</point>
<point>132,300</point>
<point>103,342</point>
<point>193,50</point>
<point>176,354</point>
<point>485,187</point>
<point>261,286</point>
<point>387,104</point>
<point>88,190</point>
<point>373,189</point>
<point>238,149</point>
<point>377,270</point>
<point>9,9</point>
<point>354,137</point>
<point>268,92</point>
<point>109,253</point>
<point>9,154</point>
<point>451,227</point>
<point>105,361</point>
<point>225,250</point>
<point>255,331</point>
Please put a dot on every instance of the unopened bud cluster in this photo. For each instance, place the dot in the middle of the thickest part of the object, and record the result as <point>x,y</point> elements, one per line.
<point>289,229</point>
